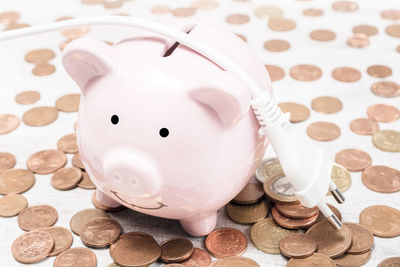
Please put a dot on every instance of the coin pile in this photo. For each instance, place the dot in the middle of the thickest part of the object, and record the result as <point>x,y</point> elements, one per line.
<point>41,58</point>
<point>10,19</point>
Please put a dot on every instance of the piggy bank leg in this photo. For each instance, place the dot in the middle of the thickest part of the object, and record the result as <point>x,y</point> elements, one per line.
<point>199,226</point>
<point>105,200</point>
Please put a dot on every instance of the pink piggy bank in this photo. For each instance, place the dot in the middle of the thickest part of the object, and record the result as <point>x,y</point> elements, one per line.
<point>163,130</point>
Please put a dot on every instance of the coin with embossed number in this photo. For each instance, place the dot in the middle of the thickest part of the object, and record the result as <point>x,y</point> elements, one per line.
<point>176,250</point>
<point>80,219</point>
<point>363,240</point>
<point>352,159</point>
<point>387,140</point>
<point>62,238</point>
<point>35,217</point>
<point>16,181</point>
<point>381,179</point>
<point>199,258</point>
<point>32,246</point>
<point>100,232</point>
<point>297,246</point>
<point>386,89</point>
<point>226,242</point>
<point>315,260</point>
<point>46,161</point>
<point>382,221</point>
<point>279,189</point>
<point>267,169</point>
<point>12,204</point>
<point>76,257</point>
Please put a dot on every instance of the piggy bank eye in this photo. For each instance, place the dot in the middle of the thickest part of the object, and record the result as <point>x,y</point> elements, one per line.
<point>114,119</point>
<point>164,132</point>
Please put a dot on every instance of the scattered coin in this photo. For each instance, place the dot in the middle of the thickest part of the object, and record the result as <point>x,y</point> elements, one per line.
<point>76,257</point>
<point>100,206</point>
<point>354,160</point>
<point>46,161</point>
<point>160,9</point>
<point>32,247</point>
<point>364,126</point>
<point>345,6</point>
<point>297,246</point>
<point>268,12</point>
<point>9,17</point>
<point>315,260</point>
<point>387,140</point>
<point>346,74</point>
<point>39,56</point>
<point>237,19</point>
<point>341,177</point>
<point>390,262</point>
<point>279,189</point>
<point>296,211</point>
<point>226,242</point>
<point>16,26</point>
<point>298,112</point>
<point>386,89</point>
<point>381,179</point>
<point>250,194</point>
<point>379,71</point>
<point>113,3</point>
<point>266,235</point>
<point>292,223</point>
<point>183,11</point>
<point>86,182</point>
<point>383,113</point>
<point>380,220</point>
<point>80,219</point>
<point>246,214</point>
<point>391,14</point>
<point>76,161</point>
<point>268,169</point>
<point>205,4</point>
<point>68,103</point>
<point>27,97</point>
<point>40,116</point>
<point>363,240</point>
<point>305,72</point>
<point>281,24</point>
<point>66,178</point>
<point>353,259</point>
<point>100,232</point>
<point>323,35</point>
<point>313,12</point>
<point>68,144</point>
<point>330,242</point>
<point>12,204</point>
<point>135,249</point>
<point>16,181</point>
<point>199,258</point>
<point>358,40</point>
<point>35,217</point>
<point>241,36</point>
<point>8,123</point>
<point>323,131</point>
<point>43,69</point>
<point>326,104</point>
<point>176,250</point>
<point>365,29</point>
<point>276,73</point>
<point>75,33</point>
<point>62,238</point>
<point>235,261</point>
<point>276,45</point>
<point>393,30</point>
<point>7,161</point>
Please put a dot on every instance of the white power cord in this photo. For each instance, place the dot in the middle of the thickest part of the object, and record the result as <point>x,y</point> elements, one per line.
<point>304,163</point>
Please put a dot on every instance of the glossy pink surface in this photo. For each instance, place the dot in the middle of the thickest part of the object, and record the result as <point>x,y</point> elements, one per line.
<point>213,145</point>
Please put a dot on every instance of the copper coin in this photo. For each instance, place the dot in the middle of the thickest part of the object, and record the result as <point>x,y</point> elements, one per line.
<point>68,144</point>
<point>393,30</point>
<point>345,6</point>
<point>100,232</point>
<point>35,217</point>
<point>66,178</point>
<point>16,181</point>
<point>113,3</point>
<point>226,242</point>
<point>391,14</point>
<point>160,9</point>
<point>279,189</point>
<point>237,19</point>
<point>315,260</point>
<point>32,247</point>
<point>281,24</point>
<point>237,261</point>
<point>247,214</point>
<point>9,17</point>
<point>75,33</point>
<point>39,56</point>
<point>364,126</point>
<point>16,26</point>
<point>354,160</point>
<point>330,242</point>
<point>27,97</point>
<point>387,140</point>
<point>76,161</point>
<point>363,240</point>
<point>323,35</point>
<point>176,249</point>
<point>7,161</point>
<point>381,179</point>
<point>358,40</point>
<point>379,71</point>
<point>276,45</point>
<point>199,258</point>
<point>326,104</point>
<point>296,211</point>
<point>292,223</point>
<point>386,89</point>
<point>322,218</point>
<point>12,204</point>
<point>68,103</point>
<point>276,73</point>
<point>8,123</point>
<point>313,12</point>
<point>40,116</point>
<point>86,182</point>
<point>62,238</point>
<point>383,113</point>
<point>100,206</point>
<point>390,262</point>
<point>79,257</point>
<point>268,12</point>
<point>135,249</point>
<point>250,194</point>
<point>305,72</point>
<point>183,11</point>
<point>298,112</point>
<point>365,29</point>
<point>241,36</point>
<point>323,131</point>
<point>382,221</point>
<point>46,161</point>
<point>346,74</point>
<point>80,219</point>
<point>297,246</point>
<point>352,260</point>
<point>43,69</point>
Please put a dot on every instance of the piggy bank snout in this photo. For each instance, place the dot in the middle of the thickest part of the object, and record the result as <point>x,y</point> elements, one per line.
<point>131,173</point>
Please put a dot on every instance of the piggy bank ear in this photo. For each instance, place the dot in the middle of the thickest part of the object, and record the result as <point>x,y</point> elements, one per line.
<point>226,94</point>
<point>85,59</point>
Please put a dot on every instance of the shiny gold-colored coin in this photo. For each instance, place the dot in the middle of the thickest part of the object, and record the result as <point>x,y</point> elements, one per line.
<point>62,238</point>
<point>276,73</point>
<point>380,220</point>
<point>35,217</point>
<point>46,161</point>
<point>226,242</point>
<point>346,74</point>
<point>290,223</point>
<point>379,71</point>
<point>353,259</point>
<point>381,179</point>
<point>386,89</point>
<point>237,19</point>
<point>39,56</point>
<point>268,169</point>
<point>345,6</point>
<point>199,258</point>
<point>305,72</point>
<point>86,182</point>
<point>341,177</point>
<point>281,24</point>
<point>354,160</point>
<point>135,249</point>
<point>313,12</point>
<point>183,11</point>
<point>363,240</point>
<point>297,246</point>
<point>358,40</point>
<point>9,17</point>
<point>323,131</point>
<point>27,97</point>
<point>12,204</point>
<point>235,261</point>
<point>276,45</point>
<point>43,69</point>
<point>296,211</point>
<point>40,116</point>
<point>32,247</point>
<point>365,29</point>
<point>100,232</point>
<point>8,123</point>
<point>315,260</point>
<point>250,194</point>
<point>387,140</point>
<point>279,189</point>
<point>298,112</point>
<point>68,103</point>
<point>76,257</point>
<point>68,144</point>
<point>323,35</point>
<point>16,181</point>
<point>383,113</point>
<point>7,161</point>
<point>364,126</point>
<point>176,250</point>
<point>390,262</point>
<point>247,214</point>
<point>393,30</point>
<point>80,219</point>
<point>66,178</point>
<point>326,104</point>
<point>268,12</point>
<point>266,235</point>
<point>391,14</point>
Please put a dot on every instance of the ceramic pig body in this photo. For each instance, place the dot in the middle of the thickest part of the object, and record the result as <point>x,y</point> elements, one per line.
<point>167,135</point>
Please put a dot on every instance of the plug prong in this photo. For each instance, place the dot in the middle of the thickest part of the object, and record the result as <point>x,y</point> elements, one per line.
<point>336,193</point>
